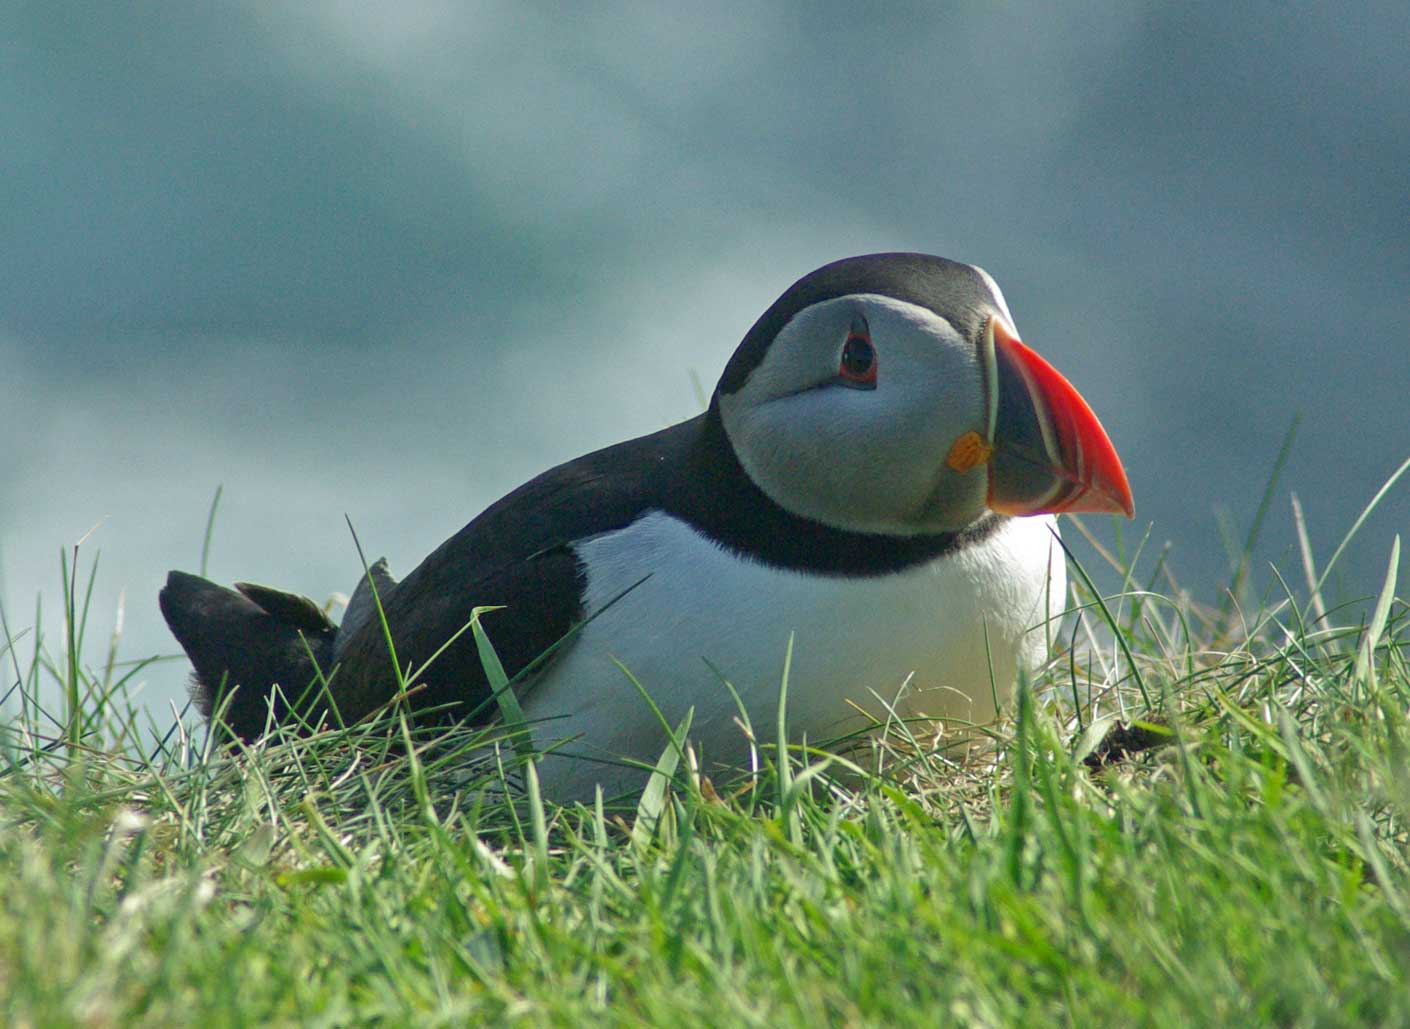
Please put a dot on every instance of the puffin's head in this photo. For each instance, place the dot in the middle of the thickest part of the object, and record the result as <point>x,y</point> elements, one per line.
<point>891,394</point>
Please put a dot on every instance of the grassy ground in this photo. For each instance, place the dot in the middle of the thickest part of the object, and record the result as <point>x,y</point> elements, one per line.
<point>1242,859</point>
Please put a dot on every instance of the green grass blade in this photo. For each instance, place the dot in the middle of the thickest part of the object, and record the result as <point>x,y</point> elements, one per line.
<point>538,827</point>
<point>1351,533</point>
<point>1363,673</point>
<point>209,534</point>
<point>1245,555</point>
<point>511,713</point>
<point>1111,623</point>
<point>784,769</point>
<point>653,798</point>
<point>1309,564</point>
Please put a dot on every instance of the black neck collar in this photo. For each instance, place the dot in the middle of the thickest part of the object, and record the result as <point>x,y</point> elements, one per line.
<point>715,495</point>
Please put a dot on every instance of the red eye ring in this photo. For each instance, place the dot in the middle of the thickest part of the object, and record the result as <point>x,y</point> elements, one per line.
<point>857,366</point>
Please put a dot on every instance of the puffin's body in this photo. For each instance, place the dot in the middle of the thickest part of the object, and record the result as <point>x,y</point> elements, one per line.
<point>911,640</point>
<point>876,476</point>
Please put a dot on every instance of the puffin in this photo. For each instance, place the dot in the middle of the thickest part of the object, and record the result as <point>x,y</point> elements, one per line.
<point>871,495</point>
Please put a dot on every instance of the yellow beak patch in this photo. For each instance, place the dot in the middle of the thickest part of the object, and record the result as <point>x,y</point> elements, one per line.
<point>969,451</point>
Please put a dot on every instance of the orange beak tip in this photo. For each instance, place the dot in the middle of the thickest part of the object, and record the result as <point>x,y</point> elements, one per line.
<point>1074,466</point>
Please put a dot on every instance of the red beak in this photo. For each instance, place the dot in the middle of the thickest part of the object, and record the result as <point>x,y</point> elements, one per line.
<point>1050,453</point>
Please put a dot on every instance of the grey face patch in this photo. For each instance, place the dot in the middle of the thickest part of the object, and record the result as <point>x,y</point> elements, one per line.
<point>960,293</point>
<point>869,461</point>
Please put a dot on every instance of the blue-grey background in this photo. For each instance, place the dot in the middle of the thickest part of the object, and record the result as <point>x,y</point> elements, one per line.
<point>390,260</point>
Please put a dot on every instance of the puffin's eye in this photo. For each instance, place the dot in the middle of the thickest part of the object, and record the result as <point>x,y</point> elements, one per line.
<point>858,365</point>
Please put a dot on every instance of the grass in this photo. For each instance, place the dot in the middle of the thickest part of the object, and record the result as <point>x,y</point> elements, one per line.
<point>1242,860</point>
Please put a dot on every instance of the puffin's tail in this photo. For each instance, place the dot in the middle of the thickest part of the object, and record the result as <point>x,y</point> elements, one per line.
<point>254,640</point>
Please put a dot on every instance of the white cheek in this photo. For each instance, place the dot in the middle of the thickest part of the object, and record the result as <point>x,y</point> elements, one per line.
<point>865,460</point>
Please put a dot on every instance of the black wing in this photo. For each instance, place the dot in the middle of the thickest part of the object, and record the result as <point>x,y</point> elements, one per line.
<point>517,555</point>
<point>254,639</point>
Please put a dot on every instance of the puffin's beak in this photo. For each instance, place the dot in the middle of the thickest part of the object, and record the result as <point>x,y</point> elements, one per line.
<point>1050,454</point>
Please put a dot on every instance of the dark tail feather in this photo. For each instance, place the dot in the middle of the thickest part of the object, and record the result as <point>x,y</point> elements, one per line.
<point>253,639</point>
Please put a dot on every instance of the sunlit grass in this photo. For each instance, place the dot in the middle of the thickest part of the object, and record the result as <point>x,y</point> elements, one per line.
<point>1243,860</point>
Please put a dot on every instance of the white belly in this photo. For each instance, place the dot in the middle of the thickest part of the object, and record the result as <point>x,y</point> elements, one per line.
<point>915,638</point>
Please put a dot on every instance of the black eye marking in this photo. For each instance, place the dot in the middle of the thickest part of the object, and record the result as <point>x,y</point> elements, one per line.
<point>857,368</point>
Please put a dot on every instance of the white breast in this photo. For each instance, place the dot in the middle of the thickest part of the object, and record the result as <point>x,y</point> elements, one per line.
<point>916,638</point>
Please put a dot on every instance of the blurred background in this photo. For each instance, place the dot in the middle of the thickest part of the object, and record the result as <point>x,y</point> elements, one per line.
<point>390,260</point>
